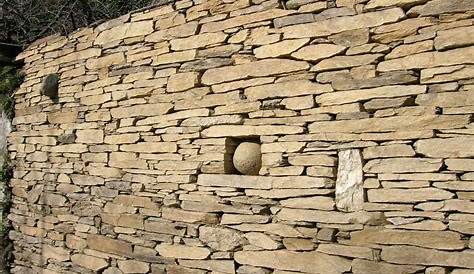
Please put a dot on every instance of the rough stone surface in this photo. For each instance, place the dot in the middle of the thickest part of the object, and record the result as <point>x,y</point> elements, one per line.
<point>318,52</point>
<point>253,69</point>
<point>247,158</point>
<point>363,111</point>
<point>220,238</point>
<point>349,192</point>
<point>283,260</point>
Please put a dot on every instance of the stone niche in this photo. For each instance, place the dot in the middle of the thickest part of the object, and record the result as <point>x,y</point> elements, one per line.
<point>242,156</point>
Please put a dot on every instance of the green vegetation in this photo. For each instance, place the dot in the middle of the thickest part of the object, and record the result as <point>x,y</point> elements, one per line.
<point>24,21</point>
<point>10,79</point>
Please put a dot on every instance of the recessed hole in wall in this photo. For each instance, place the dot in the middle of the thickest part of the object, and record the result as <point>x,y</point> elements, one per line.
<point>50,85</point>
<point>243,156</point>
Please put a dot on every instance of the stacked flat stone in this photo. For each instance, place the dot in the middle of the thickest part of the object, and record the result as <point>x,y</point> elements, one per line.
<point>364,114</point>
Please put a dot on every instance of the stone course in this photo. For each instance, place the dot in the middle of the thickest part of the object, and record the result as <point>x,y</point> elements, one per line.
<point>363,110</point>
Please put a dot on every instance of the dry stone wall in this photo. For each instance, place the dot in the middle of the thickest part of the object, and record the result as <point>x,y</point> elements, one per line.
<point>362,110</point>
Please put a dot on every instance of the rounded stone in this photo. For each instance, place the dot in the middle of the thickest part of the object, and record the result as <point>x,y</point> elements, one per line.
<point>248,158</point>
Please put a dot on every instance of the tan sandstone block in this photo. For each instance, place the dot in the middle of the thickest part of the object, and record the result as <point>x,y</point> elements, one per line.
<point>261,240</point>
<point>446,99</point>
<point>230,131</point>
<point>388,151</point>
<point>375,4</point>
<point>400,123</point>
<point>182,81</point>
<point>106,61</point>
<point>198,41</point>
<point>62,117</point>
<point>340,24</point>
<point>133,266</point>
<point>350,96</point>
<point>260,68</point>
<point>429,59</point>
<point>436,7</point>
<point>57,253</point>
<point>150,147</point>
<point>71,148</point>
<point>372,267</point>
<point>182,30</point>
<point>141,110</point>
<point>119,139</point>
<point>285,89</point>
<point>403,165</point>
<point>448,147</point>
<point>340,62</point>
<point>454,38</point>
<point>446,240</point>
<point>175,57</point>
<point>423,256</point>
<point>330,217</point>
<point>321,203</point>
<point>280,48</point>
<point>347,251</point>
<point>124,31</point>
<point>179,215</point>
<point>408,195</point>
<point>89,262</point>
<point>243,20</point>
<point>90,136</point>
<point>311,262</point>
<point>318,52</point>
<point>183,251</point>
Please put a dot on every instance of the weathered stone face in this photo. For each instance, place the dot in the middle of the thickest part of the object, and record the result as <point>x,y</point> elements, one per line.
<point>144,161</point>
<point>247,158</point>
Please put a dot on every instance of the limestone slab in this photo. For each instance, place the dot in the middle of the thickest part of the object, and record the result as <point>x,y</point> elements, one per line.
<point>403,165</point>
<point>89,262</point>
<point>341,62</point>
<point>454,38</point>
<point>278,49</point>
<point>244,19</point>
<point>317,202</point>
<point>123,31</point>
<point>260,182</point>
<point>312,262</point>
<point>340,24</point>
<point>388,151</point>
<point>222,239</point>
<point>375,4</point>
<point>236,131</point>
<point>446,99</point>
<point>141,110</point>
<point>408,195</point>
<point>372,267</point>
<point>448,147</point>
<point>400,123</point>
<point>429,59</point>
<point>443,240</point>
<point>260,68</point>
<point>198,41</point>
<point>330,217</point>
<point>108,245</point>
<point>183,251</point>
<point>350,96</point>
<point>439,6</point>
<point>285,89</point>
<point>422,256</point>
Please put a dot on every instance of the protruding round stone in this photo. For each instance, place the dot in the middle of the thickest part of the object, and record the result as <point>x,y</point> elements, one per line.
<point>248,158</point>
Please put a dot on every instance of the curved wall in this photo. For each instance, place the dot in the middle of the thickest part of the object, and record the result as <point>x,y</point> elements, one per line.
<point>363,110</point>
